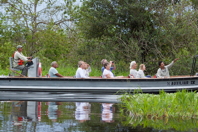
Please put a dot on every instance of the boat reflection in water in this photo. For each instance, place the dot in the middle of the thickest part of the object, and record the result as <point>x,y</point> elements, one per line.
<point>53,112</point>
<point>107,112</point>
<point>24,111</point>
<point>82,111</point>
<point>68,116</point>
<point>53,115</point>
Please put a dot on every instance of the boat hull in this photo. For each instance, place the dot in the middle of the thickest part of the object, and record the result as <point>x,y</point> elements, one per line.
<point>98,85</point>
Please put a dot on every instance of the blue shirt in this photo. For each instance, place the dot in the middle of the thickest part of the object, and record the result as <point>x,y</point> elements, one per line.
<point>52,72</point>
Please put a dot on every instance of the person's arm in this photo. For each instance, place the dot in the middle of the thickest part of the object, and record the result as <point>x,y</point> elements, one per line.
<point>113,65</point>
<point>55,72</point>
<point>171,64</point>
<point>58,75</point>
<point>21,56</point>
<point>108,75</point>
<point>89,69</point>
<point>82,74</point>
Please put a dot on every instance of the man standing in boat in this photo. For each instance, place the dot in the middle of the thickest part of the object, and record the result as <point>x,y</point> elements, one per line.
<point>52,71</point>
<point>19,60</point>
<point>163,71</point>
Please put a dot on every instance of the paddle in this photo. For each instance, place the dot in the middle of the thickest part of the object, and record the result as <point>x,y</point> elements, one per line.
<point>17,73</point>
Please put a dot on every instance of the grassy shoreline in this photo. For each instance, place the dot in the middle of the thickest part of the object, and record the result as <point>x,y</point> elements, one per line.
<point>164,111</point>
<point>182,104</point>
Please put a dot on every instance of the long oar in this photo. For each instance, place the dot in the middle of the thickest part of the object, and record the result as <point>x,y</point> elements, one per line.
<point>17,73</point>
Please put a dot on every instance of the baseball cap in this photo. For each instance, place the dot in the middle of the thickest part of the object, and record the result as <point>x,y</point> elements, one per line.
<point>19,46</point>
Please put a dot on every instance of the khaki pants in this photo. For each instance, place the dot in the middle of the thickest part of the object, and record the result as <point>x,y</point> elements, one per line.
<point>23,68</point>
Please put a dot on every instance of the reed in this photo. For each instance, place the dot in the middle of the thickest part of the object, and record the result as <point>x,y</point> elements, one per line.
<point>182,104</point>
<point>168,124</point>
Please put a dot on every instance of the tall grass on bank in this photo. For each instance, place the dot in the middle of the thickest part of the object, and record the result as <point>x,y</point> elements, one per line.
<point>182,104</point>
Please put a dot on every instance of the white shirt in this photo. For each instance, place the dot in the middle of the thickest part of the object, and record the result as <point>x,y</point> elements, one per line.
<point>80,73</point>
<point>133,72</point>
<point>18,55</point>
<point>140,74</point>
<point>161,73</point>
<point>106,72</point>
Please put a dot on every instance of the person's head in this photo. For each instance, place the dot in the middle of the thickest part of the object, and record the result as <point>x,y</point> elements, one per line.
<point>107,66</point>
<point>19,48</point>
<point>142,67</point>
<point>86,65</point>
<point>54,64</point>
<point>133,65</point>
<point>161,64</point>
<point>81,64</point>
<point>103,61</point>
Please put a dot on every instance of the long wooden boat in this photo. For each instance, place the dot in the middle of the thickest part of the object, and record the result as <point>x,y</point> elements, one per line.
<point>98,85</point>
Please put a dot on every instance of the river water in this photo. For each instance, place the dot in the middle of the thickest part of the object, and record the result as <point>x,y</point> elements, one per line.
<point>67,112</point>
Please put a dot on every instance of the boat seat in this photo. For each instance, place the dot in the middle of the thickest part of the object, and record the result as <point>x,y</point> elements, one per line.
<point>11,66</point>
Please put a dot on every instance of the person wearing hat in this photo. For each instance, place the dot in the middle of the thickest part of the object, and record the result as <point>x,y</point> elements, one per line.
<point>19,60</point>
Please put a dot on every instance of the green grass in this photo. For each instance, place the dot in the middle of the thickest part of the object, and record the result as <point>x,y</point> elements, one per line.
<point>180,104</point>
<point>162,111</point>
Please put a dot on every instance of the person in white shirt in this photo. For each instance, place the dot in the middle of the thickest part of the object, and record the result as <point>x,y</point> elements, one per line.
<point>140,73</point>
<point>80,73</point>
<point>133,71</point>
<point>19,59</point>
<point>52,71</point>
<point>107,73</point>
<point>163,71</point>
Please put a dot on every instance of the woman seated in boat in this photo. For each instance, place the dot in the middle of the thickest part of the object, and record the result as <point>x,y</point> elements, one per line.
<point>163,71</point>
<point>140,73</point>
<point>107,73</point>
<point>133,71</point>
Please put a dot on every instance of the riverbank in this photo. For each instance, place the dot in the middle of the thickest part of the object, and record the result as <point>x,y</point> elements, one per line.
<point>164,111</point>
<point>182,104</point>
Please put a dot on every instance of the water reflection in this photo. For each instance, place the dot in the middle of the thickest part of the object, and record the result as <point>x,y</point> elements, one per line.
<point>82,112</point>
<point>24,111</point>
<point>53,112</point>
<point>107,112</point>
<point>58,96</point>
<point>31,116</point>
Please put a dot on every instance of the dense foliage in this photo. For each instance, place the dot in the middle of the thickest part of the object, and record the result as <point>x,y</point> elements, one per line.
<point>90,30</point>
